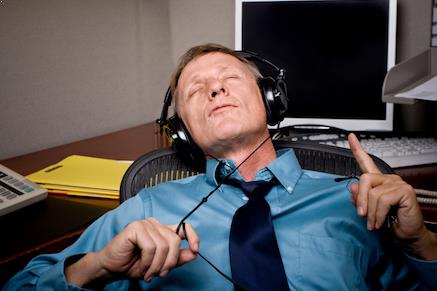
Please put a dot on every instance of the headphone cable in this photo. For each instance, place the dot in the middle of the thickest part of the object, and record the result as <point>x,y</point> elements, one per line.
<point>204,200</point>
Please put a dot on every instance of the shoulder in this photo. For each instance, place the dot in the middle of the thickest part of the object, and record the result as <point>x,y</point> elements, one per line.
<point>174,187</point>
<point>324,180</point>
<point>166,199</point>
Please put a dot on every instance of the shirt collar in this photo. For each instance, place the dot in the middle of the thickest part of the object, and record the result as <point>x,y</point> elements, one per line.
<point>285,168</point>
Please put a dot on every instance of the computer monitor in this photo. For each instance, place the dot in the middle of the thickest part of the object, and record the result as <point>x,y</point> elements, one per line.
<point>335,53</point>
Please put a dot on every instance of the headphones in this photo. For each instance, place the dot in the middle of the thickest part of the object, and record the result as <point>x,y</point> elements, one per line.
<point>274,95</point>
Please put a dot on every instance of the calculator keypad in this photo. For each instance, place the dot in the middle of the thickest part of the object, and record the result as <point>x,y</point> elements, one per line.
<point>11,187</point>
<point>17,192</point>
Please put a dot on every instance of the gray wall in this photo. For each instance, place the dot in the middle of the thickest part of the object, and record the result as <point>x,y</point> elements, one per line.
<point>75,69</point>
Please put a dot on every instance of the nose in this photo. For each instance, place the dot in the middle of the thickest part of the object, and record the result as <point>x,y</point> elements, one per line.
<point>216,88</point>
<point>214,93</point>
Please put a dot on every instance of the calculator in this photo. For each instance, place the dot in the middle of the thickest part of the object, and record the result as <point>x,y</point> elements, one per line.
<point>16,191</point>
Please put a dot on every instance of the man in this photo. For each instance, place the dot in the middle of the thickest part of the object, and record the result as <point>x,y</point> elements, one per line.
<point>325,241</point>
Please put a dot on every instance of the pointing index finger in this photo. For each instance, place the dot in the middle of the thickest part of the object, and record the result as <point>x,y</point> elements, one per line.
<point>367,165</point>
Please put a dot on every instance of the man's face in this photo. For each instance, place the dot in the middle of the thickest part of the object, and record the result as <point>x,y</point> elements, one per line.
<point>220,102</point>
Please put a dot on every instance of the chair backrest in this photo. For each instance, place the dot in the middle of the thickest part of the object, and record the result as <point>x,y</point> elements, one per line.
<point>164,165</point>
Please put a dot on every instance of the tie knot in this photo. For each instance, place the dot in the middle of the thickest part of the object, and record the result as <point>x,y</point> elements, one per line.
<point>253,188</point>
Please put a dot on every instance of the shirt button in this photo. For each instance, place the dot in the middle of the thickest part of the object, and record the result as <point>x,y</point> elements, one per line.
<point>244,197</point>
<point>289,189</point>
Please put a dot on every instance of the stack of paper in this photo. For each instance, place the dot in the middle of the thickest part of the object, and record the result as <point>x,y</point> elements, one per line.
<point>83,176</point>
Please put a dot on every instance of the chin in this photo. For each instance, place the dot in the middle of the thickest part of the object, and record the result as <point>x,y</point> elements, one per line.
<point>228,130</point>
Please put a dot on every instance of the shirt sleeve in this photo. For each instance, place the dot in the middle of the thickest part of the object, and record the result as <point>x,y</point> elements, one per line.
<point>400,271</point>
<point>426,271</point>
<point>47,271</point>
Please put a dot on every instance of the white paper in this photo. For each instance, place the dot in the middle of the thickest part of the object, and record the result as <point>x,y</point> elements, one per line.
<point>425,91</point>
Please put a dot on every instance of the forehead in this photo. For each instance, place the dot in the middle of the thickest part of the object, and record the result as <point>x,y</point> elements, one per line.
<point>210,62</point>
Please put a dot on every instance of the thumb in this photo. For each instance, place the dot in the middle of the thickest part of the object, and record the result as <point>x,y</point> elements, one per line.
<point>185,256</point>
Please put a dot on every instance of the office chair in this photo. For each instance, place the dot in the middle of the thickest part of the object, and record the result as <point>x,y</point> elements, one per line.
<point>164,165</point>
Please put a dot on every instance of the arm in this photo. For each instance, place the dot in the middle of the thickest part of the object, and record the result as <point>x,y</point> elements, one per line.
<point>47,271</point>
<point>377,193</point>
<point>142,250</point>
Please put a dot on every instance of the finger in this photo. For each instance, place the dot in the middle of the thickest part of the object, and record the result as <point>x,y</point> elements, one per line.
<point>192,237</point>
<point>186,256</point>
<point>377,204</point>
<point>385,203</point>
<point>140,238</point>
<point>174,242</point>
<point>367,182</point>
<point>161,252</point>
<point>354,188</point>
<point>365,162</point>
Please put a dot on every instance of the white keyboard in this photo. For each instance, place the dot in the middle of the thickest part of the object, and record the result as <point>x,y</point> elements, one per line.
<point>16,191</point>
<point>395,151</point>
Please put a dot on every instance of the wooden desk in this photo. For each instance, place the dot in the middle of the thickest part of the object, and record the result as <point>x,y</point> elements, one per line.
<point>53,224</point>
<point>126,144</point>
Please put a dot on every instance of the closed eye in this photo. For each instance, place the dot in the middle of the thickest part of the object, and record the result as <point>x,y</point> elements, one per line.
<point>195,90</point>
<point>231,77</point>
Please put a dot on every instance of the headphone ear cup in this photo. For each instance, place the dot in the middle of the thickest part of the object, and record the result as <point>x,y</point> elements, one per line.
<point>176,131</point>
<point>267,87</point>
<point>182,142</point>
<point>281,99</point>
<point>274,94</point>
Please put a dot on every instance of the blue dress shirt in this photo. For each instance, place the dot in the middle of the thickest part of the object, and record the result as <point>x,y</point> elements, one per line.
<point>324,244</point>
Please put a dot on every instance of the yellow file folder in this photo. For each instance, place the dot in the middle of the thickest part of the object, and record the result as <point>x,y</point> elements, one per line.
<point>83,176</point>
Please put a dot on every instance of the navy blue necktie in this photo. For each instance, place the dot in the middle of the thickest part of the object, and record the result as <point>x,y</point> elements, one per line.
<point>256,263</point>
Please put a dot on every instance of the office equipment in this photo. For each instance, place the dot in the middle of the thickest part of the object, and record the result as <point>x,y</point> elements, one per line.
<point>335,58</point>
<point>17,192</point>
<point>397,151</point>
<point>412,80</point>
<point>82,176</point>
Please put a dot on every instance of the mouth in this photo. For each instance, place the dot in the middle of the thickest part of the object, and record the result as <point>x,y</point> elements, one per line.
<point>220,108</point>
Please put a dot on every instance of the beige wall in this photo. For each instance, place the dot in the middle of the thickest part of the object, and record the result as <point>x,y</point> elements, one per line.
<point>200,21</point>
<point>75,69</point>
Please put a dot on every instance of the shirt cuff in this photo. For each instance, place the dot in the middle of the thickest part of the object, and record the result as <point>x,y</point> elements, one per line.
<point>425,269</point>
<point>54,278</point>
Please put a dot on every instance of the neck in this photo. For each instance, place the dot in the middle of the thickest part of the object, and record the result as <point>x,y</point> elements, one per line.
<point>257,160</point>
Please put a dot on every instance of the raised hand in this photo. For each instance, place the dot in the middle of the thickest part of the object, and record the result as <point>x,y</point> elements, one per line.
<point>377,193</point>
<point>142,250</point>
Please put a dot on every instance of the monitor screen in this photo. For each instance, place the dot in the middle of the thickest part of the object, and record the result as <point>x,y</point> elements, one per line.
<point>335,54</point>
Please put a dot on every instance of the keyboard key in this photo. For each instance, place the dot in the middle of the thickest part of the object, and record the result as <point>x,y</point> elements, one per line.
<point>11,196</point>
<point>28,189</point>
<point>6,193</point>
<point>13,185</point>
<point>18,184</point>
<point>395,151</point>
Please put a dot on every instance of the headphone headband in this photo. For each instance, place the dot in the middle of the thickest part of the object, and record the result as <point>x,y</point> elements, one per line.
<point>251,55</point>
